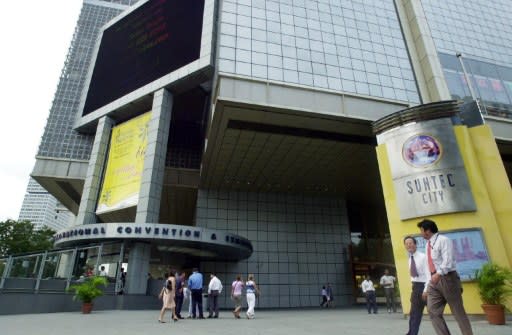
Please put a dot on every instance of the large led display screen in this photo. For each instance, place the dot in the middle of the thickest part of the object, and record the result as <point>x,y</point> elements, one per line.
<point>155,39</point>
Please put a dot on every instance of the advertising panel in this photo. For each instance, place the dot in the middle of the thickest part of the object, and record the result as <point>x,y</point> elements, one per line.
<point>121,182</point>
<point>427,169</point>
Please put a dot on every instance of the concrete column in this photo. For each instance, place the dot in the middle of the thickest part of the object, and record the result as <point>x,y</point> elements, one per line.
<point>420,44</point>
<point>138,267</point>
<point>148,208</point>
<point>92,184</point>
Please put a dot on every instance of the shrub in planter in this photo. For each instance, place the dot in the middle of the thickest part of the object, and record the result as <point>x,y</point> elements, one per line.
<point>494,286</point>
<point>87,291</point>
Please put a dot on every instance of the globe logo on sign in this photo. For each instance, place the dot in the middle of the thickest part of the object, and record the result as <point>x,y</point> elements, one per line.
<point>421,150</point>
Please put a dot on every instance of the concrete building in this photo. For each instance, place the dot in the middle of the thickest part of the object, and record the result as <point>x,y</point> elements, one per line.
<point>42,209</point>
<point>260,131</point>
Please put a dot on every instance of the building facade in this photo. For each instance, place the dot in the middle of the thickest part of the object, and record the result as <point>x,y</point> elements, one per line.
<point>262,134</point>
<point>42,209</point>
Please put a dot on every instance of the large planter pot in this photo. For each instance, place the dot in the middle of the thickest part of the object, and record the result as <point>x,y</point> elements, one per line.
<point>86,307</point>
<point>495,314</point>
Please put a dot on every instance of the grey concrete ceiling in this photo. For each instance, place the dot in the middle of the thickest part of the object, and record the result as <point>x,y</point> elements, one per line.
<point>290,153</point>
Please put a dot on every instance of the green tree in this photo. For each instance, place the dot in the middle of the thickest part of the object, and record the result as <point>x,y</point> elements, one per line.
<point>20,236</point>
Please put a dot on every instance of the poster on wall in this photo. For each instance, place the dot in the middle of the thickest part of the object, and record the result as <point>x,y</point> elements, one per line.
<point>469,250</point>
<point>121,182</point>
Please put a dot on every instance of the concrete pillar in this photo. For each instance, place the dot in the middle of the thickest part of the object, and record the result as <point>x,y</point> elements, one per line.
<point>138,268</point>
<point>422,51</point>
<point>148,208</point>
<point>92,184</point>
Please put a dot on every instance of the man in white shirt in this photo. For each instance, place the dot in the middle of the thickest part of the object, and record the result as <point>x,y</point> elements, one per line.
<point>419,276</point>
<point>103,273</point>
<point>214,289</point>
<point>388,283</point>
<point>369,292</point>
<point>444,286</point>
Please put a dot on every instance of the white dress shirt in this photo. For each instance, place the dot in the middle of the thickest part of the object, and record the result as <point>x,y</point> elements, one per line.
<point>442,254</point>
<point>367,285</point>
<point>215,285</point>
<point>387,281</point>
<point>422,267</point>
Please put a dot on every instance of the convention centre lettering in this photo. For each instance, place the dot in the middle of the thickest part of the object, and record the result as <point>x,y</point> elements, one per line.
<point>431,188</point>
<point>138,231</point>
<point>80,232</point>
<point>128,230</point>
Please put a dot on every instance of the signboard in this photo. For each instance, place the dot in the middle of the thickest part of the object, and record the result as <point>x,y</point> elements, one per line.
<point>190,240</point>
<point>469,250</point>
<point>427,169</point>
<point>121,183</point>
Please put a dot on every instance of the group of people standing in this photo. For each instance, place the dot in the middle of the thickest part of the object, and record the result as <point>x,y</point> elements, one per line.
<point>176,289</point>
<point>435,283</point>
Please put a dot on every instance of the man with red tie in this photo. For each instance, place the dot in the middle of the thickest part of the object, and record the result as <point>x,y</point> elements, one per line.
<point>444,286</point>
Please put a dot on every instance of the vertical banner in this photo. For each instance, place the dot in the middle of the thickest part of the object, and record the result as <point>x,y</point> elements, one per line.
<point>121,183</point>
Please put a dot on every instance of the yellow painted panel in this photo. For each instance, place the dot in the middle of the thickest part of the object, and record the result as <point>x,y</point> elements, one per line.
<point>121,183</point>
<point>491,191</point>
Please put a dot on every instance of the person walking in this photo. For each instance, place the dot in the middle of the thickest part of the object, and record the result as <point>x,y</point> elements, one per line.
<point>167,295</point>
<point>324,297</point>
<point>387,281</point>
<point>187,296</point>
<point>180,283</point>
<point>369,292</point>
<point>195,284</point>
<point>330,296</point>
<point>236,295</point>
<point>444,285</point>
<point>419,276</point>
<point>214,289</point>
<point>251,291</point>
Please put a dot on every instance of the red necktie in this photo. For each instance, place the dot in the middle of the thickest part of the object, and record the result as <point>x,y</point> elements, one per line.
<point>431,266</point>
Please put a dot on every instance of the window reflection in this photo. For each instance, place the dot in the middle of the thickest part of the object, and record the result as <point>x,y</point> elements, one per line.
<point>492,83</point>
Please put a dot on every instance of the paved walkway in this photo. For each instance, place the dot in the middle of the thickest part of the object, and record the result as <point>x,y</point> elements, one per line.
<point>277,322</point>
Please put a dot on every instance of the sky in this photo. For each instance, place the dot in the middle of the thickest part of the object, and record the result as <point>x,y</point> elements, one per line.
<point>35,36</point>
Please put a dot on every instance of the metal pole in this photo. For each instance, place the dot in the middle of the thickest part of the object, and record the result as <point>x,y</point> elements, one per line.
<point>70,268</point>
<point>7,269</point>
<point>40,272</point>
<point>470,86</point>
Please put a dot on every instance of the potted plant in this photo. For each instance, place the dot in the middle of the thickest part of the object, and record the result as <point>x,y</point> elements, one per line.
<point>87,291</point>
<point>494,286</point>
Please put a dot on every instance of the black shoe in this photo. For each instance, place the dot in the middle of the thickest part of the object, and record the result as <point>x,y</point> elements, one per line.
<point>201,317</point>
<point>210,316</point>
<point>216,317</point>
<point>180,317</point>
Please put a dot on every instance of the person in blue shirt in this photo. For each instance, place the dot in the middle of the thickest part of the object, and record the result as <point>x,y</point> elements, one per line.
<point>195,284</point>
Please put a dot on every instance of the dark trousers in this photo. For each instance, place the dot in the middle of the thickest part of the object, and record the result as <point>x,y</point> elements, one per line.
<point>371,301</point>
<point>417,307</point>
<point>447,291</point>
<point>179,304</point>
<point>213,303</point>
<point>324,301</point>
<point>390,298</point>
<point>197,302</point>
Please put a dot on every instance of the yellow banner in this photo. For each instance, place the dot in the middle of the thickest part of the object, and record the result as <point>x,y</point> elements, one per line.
<point>121,183</point>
